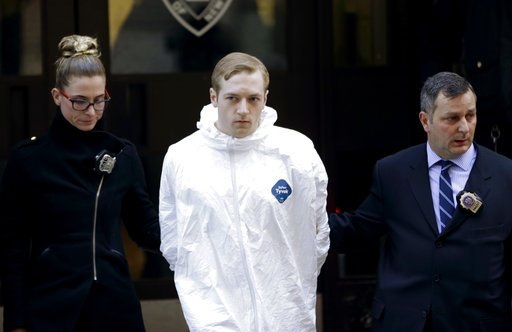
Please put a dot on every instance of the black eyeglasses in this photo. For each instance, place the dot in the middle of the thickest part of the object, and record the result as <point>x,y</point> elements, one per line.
<point>82,105</point>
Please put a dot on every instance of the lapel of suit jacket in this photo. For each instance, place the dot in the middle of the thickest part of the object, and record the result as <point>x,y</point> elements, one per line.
<point>420,186</point>
<point>478,182</point>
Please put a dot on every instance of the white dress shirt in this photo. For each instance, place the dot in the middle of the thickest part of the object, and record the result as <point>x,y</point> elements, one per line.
<point>459,174</point>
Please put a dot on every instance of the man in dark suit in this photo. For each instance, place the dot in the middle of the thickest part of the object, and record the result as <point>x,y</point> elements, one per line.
<point>445,260</point>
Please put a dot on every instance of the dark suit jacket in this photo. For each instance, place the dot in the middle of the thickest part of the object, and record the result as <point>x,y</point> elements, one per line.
<point>460,278</point>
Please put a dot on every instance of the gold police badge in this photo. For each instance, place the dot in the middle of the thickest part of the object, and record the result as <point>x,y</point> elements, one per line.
<point>470,201</point>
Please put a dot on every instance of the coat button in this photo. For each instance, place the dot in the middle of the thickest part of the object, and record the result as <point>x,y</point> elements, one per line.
<point>439,244</point>
<point>436,278</point>
<point>479,64</point>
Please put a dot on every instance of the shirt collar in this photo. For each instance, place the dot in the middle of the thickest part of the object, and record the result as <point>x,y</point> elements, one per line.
<point>463,161</point>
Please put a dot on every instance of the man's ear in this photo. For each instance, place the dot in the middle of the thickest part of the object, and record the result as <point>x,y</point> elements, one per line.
<point>425,122</point>
<point>213,97</point>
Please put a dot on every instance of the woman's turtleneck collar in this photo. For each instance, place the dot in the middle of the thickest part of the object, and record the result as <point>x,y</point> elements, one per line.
<point>67,135</point>
<point>62,129</point>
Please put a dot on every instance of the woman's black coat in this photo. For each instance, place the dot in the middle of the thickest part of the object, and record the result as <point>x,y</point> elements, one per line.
<point>60,227</point>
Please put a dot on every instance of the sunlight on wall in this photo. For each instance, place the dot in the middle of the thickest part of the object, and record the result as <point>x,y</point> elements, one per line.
<point>118,11</point>
<point>267,12</point>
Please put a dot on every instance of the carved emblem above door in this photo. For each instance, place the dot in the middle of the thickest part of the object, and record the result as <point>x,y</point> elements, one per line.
<point>197,16</point>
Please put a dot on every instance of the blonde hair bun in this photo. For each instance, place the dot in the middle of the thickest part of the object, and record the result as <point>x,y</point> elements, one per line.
<point>79,57</point>
<point>76,45</point>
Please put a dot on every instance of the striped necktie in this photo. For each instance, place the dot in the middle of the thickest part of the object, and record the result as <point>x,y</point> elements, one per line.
<point>446,202</point>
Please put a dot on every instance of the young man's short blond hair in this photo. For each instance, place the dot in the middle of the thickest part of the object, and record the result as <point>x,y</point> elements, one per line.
<point>234,63</point>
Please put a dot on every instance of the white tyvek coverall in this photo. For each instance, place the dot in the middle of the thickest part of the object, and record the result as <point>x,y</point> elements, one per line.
<point>243,260</point>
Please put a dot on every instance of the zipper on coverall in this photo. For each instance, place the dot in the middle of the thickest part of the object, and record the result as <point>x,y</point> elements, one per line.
<point>95,272</point>
<point>238,226</point>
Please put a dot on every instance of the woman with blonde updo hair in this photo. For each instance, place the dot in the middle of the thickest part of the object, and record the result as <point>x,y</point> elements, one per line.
<point>64,197</point>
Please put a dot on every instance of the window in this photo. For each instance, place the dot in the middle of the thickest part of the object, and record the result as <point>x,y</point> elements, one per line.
<point>360,33</point>
<point>20,35</point>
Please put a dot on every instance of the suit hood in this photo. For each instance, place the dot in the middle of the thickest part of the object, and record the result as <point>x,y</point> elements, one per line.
<point>219,140</point>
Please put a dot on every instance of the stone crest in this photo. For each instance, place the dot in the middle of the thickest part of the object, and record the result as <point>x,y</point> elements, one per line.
<point>197,16</point>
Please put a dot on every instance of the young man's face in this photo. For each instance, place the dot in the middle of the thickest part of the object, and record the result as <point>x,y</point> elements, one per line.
<point>451,131</point>
<point>240,102</point>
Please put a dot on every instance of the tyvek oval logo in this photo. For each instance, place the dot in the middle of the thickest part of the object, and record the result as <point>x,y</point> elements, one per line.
<point>281,190</point>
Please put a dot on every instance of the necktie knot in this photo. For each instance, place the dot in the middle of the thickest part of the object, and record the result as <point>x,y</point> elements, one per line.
<point>445,164</point>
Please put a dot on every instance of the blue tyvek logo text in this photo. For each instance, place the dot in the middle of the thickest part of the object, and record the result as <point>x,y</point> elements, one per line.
<point>281,190</point>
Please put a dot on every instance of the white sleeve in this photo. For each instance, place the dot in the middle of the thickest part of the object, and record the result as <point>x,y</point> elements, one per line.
<point>167,212</point>
<point>322,226</point>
